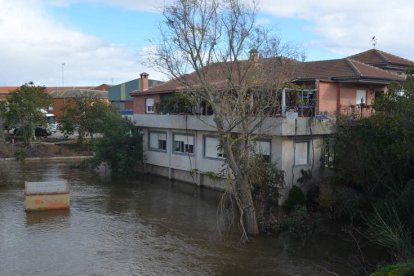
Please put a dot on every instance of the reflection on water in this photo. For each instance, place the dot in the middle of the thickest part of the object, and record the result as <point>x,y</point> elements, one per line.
<point>47,217</point>
<point>149,226</point>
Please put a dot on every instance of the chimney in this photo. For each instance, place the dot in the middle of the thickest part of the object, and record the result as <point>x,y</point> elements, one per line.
<point>254,55</point>
<point>144,81</point>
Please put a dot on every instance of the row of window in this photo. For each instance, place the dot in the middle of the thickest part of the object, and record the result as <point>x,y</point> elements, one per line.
<point>185,144</point>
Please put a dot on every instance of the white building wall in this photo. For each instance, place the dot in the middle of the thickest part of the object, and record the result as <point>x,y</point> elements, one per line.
<point>179,166</point>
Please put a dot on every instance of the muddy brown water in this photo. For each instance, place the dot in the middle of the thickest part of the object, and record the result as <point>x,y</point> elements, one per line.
<point>148,226</point>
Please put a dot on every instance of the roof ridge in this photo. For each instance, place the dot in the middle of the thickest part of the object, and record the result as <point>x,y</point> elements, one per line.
<point>323,60</point>
<point>383,52</point>
<point>353,67</point>
<point>372,67</point>
<point>380,53</point>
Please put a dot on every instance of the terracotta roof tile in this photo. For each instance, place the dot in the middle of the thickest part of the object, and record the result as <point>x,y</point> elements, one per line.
<point>375,56</point>
<point>7,89</point>
<point>337,69</point>
<point>343,68</point>
<point>368,71</point>
<point>216,75</point>
<point>73,93</point>
<point>324,69</point>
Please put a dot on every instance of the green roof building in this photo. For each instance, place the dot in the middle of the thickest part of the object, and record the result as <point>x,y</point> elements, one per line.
<point>119,96</point>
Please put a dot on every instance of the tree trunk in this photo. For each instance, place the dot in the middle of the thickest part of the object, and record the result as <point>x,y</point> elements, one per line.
<point>247,205</point>
<point>1,130</point>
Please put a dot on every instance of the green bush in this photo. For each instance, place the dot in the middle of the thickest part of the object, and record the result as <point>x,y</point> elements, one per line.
<point>20,154</point>
<point>266,181</point>
<point>405,269</point>
<point>295,198</point>
<point>300,224</point>
<point>120,146</point>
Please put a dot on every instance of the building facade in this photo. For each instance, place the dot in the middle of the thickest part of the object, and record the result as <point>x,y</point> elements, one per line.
<point>297,138</point>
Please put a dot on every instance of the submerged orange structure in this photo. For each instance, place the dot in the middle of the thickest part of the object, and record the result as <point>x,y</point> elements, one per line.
<point>48,195</point>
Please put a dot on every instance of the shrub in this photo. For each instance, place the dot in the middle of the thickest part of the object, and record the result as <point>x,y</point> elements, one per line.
<point>266,181</point>
<point>404,269</point>
<point>385,228</point>
<point>20,154</point>
<point>295,198</point>
<point>300,224</point>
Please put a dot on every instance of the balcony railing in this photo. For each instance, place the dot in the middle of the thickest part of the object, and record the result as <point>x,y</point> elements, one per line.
<point>292,102</point>
<point>358,111</point>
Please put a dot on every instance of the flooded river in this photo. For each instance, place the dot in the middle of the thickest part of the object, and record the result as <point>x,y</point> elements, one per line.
<point>149,226</point>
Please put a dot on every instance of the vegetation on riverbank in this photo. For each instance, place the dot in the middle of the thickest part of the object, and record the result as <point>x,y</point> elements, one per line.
<point>119,145</point>
<point>43,149</point>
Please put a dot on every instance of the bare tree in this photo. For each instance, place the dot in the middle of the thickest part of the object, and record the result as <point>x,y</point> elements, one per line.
<point>219,41</point>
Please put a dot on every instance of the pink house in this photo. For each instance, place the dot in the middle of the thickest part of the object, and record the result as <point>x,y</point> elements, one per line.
<point>344,86</point>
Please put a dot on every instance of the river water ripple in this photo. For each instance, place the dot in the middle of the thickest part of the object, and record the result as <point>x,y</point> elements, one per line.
<point>148,226</point>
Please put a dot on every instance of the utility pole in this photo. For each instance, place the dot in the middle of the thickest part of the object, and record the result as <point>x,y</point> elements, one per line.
<point>63,74</point>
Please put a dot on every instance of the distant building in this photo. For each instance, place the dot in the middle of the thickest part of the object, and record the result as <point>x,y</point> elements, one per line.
<point>67,97</point>
<point>119,94</point>
<point>5,90</point>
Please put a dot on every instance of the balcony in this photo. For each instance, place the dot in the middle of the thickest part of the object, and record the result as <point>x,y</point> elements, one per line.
<point>357,112</point>
<point>278,126</point>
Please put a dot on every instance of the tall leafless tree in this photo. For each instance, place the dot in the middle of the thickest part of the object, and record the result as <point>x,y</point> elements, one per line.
<point>238,69</point>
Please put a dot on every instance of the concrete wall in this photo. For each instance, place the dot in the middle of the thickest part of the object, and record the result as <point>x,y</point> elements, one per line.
<point>179,166</point>
<point>293,172</point>
<point>272,126</point>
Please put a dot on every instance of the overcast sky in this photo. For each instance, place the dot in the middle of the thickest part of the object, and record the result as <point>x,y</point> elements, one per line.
<point>104,41</point>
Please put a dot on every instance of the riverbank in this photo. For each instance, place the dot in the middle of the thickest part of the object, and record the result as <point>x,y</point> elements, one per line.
<point>45,149</point>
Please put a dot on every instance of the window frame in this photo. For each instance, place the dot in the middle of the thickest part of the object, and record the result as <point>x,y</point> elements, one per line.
<point>358,101</point>
<point>223,157</point>
<point>147,106</point>
<point>184,152</point>
<point>270,149</point>
<point>157,149</point>
<point>308,157</point>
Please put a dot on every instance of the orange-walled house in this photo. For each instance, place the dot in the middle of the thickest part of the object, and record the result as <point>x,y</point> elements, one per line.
<point>66,95</point>
<point>344,86</point>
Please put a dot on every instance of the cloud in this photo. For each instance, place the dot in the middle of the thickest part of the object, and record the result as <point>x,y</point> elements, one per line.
<point>346,26</point>
<point>263,21</point>
<point>139,5</point>
<point>33,46</point>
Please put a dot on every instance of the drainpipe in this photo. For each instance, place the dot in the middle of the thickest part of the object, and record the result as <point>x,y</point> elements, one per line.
<point>338,100</point>
<point>316,98</point>
<point>169,137</point>
<point>196,158</point>
<point>283,102</point>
